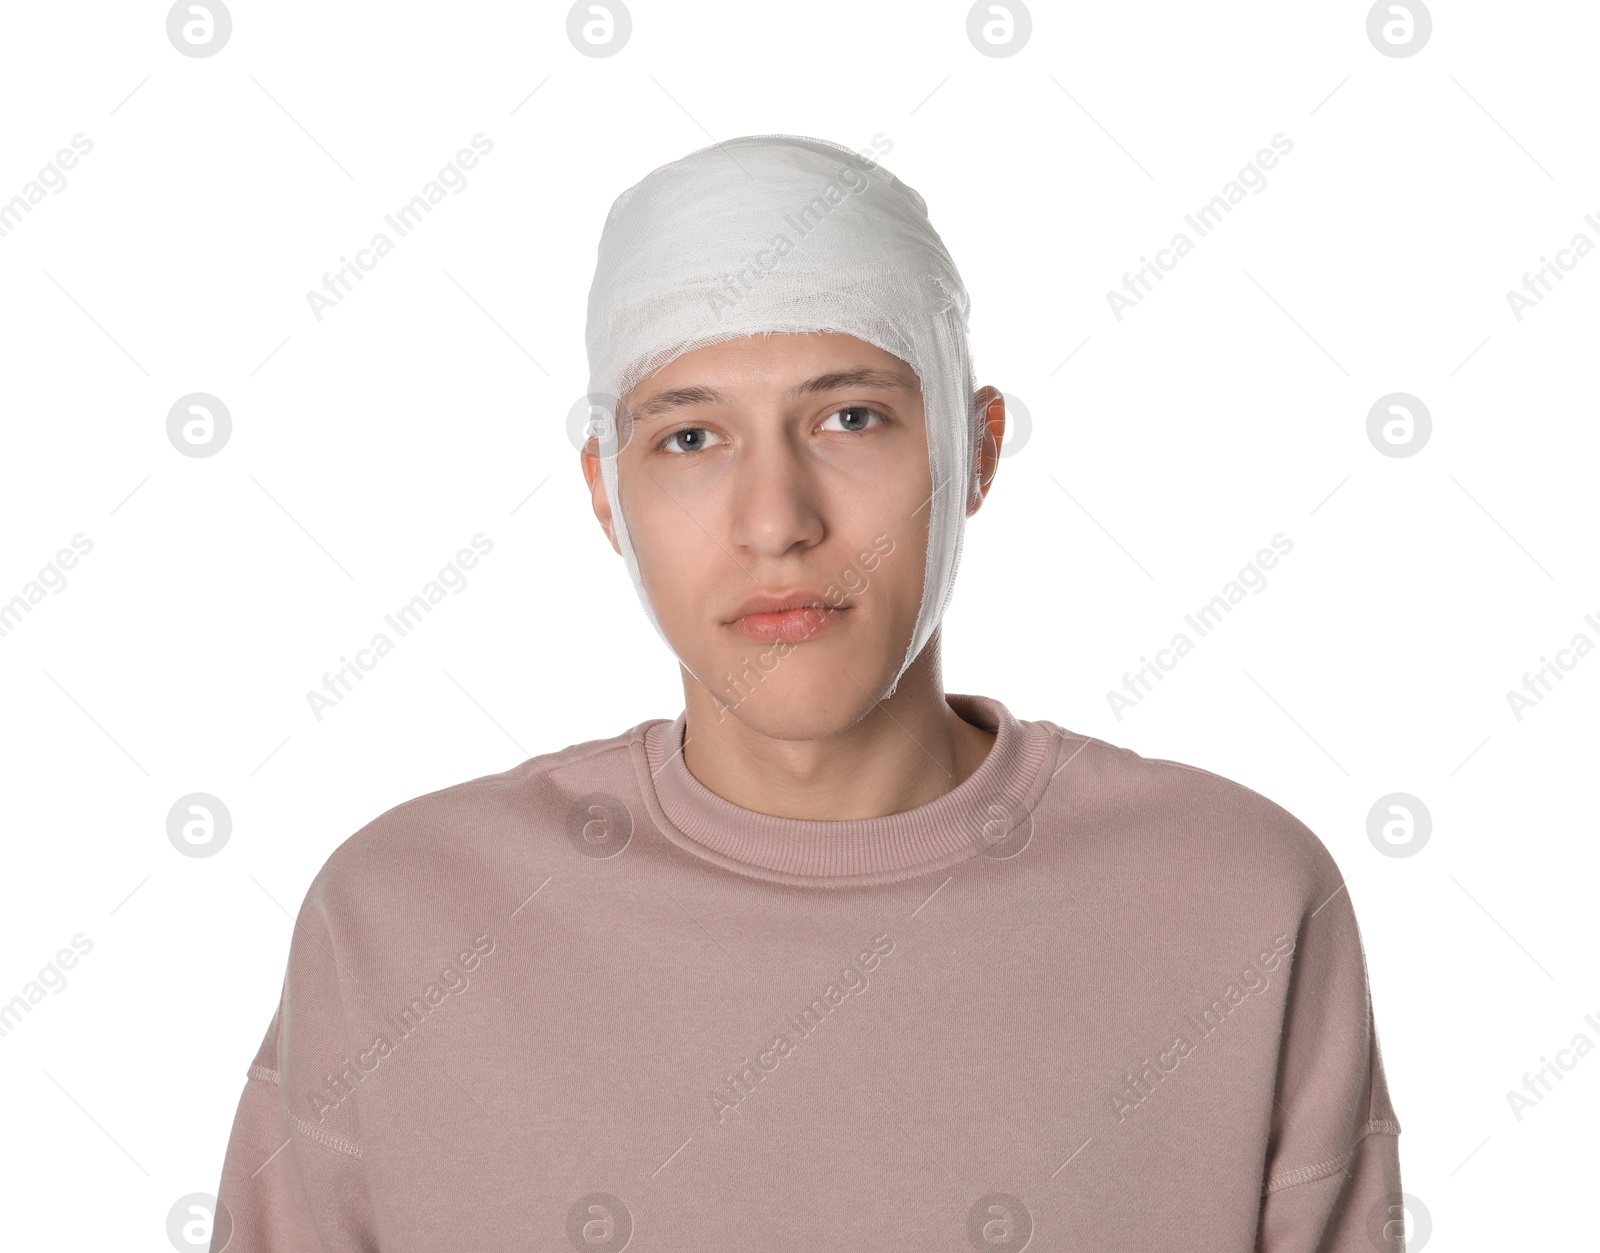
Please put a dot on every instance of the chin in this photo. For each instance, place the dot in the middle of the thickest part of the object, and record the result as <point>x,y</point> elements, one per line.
<point>804,698</point>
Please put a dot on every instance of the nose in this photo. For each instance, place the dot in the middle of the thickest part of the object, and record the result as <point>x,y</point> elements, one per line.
<point>775,496</point>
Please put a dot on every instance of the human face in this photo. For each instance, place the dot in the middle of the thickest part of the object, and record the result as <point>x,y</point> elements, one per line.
<point>790,468</point>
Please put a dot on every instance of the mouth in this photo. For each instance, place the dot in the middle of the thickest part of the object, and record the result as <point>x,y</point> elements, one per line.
<point>794,623</point>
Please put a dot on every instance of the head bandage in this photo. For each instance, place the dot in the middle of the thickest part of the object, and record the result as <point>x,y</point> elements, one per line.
<point>781,233</point>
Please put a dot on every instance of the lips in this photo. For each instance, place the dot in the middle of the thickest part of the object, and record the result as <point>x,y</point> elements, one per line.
<point>794,617</point>
<point>779,602</point>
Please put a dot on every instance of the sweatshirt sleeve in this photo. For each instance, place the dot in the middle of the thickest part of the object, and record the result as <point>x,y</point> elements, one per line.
<point>292,1176</point>
<point>1332,1182</point>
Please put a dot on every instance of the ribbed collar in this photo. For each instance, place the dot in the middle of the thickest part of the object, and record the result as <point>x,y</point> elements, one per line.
<point>973,817</point>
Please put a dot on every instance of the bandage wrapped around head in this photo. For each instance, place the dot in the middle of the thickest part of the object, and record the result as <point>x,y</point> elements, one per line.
<point>782,233</point>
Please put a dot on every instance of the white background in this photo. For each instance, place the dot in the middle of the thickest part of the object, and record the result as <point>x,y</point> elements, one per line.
<point>431,404</point>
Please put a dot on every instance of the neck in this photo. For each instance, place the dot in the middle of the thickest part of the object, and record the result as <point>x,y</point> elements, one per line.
<point>906,751</point>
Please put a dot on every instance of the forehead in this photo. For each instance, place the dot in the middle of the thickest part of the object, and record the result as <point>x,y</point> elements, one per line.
<point>778,361</point>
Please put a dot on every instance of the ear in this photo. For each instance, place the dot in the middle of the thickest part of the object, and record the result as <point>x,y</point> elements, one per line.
<point>990,406</point>
<point>598,501</point>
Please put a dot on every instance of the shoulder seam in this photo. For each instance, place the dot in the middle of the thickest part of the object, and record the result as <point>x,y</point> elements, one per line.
<point>1310,1174</point>
<point>1220,778</point>
<point>607,746</point>
<point>536,767</point>
<point>318,1136</point>
<point>1063,737</point>
<point>265,1074</point>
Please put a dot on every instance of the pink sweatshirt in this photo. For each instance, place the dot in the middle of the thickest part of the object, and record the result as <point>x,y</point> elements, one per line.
<point>1085,1000</point>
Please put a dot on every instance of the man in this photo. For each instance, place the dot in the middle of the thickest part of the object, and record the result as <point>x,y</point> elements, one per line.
<point>835,960</point>
<point>810,464</point>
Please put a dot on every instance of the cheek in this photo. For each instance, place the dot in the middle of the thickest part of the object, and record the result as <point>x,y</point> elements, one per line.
<point>670,548</point>
<point>888,485</point>
<point>901,513</point>
<point>888,552</point>
<point>905,566</point>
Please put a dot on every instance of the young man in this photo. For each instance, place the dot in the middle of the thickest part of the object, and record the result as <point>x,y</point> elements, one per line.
<point>834,960</point>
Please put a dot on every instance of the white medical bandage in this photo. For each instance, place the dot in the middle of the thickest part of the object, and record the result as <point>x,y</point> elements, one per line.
<point>783,233</point>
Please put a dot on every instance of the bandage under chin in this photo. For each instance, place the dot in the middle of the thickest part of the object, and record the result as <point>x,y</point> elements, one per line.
<point>774,234</point>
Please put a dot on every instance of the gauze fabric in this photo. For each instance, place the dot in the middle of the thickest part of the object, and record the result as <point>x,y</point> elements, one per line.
<point>784,233</point>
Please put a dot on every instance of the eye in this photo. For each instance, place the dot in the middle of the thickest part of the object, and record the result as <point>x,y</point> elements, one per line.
<point>858,414</point>
<point>688,445</point>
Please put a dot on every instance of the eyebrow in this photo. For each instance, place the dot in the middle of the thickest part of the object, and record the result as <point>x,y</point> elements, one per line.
<point>834,380</point>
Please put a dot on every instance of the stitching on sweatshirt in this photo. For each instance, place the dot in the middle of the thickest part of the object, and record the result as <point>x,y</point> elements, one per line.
<point>266,1074</point>
<point>599,747</point>
<point>319,1136</point>
<point>1309,1174</point>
